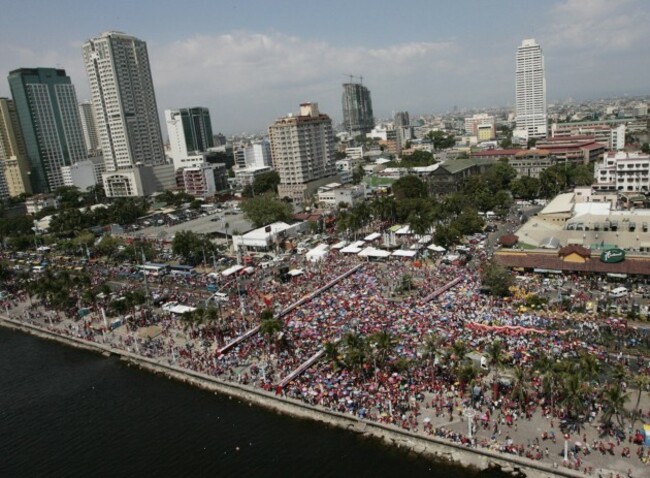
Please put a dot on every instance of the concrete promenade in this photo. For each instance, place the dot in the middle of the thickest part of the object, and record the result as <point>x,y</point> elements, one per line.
<point>436,448</point>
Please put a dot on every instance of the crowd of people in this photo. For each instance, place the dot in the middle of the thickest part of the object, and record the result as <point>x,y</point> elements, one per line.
<point>410,386</point>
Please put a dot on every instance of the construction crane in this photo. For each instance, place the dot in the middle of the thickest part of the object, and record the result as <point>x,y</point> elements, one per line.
<point>354,76</point>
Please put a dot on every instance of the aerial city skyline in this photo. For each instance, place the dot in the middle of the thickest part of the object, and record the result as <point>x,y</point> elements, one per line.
<point>422,70</point>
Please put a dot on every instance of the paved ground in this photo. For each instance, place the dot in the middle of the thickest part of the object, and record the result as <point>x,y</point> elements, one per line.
<point>201,225</point>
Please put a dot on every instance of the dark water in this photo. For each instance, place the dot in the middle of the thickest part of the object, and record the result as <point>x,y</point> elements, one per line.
<point>65,412</point>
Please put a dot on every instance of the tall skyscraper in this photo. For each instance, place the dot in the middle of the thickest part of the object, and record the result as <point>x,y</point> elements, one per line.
<point>530,91</point>
<point>89,126</point>
<point>189,130</point>
<point>14,166</point>
<point>357,109</point>
<point>46,104</point>
<point>302,148</point>
<point>123,96</point>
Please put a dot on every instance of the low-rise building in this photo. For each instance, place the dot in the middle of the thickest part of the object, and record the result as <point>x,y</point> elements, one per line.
<point>531,162</point>
<point>203,181</point>
<point>38,202</point>
<point>623,171</point>
<point>246,176</point>
<point>331,195</point>
<point>450,175</point>
<point>573,149</point>
<point>84,174</point>
<point>613,136</point>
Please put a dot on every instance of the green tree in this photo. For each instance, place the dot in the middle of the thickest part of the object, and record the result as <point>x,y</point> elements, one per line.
<point>468,222</point>
<point>526,188</point>
<point>645,148</point>
<point>409,187</point>
<point>446,235</point>
<point>264,183</point>
<point>441,140</point>
<point>497,279</point>
<point>499,176</point>
<point>266,209</point>
<point>192,247</point>
<point>358,174</point>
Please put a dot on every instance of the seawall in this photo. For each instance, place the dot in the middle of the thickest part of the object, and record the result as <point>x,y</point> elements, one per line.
<point>433,447</point>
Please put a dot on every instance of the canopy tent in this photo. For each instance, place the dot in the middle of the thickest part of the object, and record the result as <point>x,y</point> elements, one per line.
<point>550,243</point>
<point>372,237</point>
<point>416,247</point>
<point>404,230</point>
<point>353,248</point>
<point>232,270</point>
<point>403,253</point>
<point>436,248</point>
<point>295,272</point>
<point>424,239</point>
<point>318,253</point>
<point>372,252</point>
<point>339,245</point>
<point>176,308</point>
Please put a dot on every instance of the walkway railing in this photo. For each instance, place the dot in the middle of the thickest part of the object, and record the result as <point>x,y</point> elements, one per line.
<point>304,366</point>
<point>285,311</point>
<point>442,289</point>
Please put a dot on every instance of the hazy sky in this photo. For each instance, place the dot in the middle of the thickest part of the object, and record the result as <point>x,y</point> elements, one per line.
<point>253,61</point>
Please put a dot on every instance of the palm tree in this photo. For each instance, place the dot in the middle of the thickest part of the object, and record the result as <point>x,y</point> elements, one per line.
<point>520,386</point>
<point>496,359</point>
<point>384,342</point>
<point>589,366</point>
<point>466,375</point>
<point>333,354</point>
<point>431,344</point>
<point>270,328</point>
<point>356,351</point>
<point>642,381</point>
<point>614,400</point>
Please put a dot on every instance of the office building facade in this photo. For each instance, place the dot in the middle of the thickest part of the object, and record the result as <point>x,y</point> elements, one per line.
<point>530,86</point>
<point>46,104</point>
<point>123,96</point>
<point>14,166</point>
<point>89,127</point>
<point>357,109</point>
<point>189,130</point>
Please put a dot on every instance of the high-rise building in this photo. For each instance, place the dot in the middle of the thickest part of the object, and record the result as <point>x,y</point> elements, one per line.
<point>89,126</point>
<point>357,109</point>
<point>46,104</point>
<point>530,92</point>
<point>258,154</point>
<point>302,148</point>
<point>14,166</point>
<point>402,119</point>
<point>123,96</point>
<point>189,130</point>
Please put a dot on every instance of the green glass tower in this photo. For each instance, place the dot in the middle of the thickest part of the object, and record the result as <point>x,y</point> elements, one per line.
<point>46,104</point>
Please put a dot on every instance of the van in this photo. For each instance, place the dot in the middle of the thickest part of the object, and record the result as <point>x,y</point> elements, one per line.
<point>618,292</point>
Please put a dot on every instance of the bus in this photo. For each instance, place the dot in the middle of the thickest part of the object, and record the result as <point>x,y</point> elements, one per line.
<point>154,269</point>
<point>182,270</point>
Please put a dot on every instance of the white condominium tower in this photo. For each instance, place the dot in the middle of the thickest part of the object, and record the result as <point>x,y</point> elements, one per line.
<point>531,91</point>
<point>123,96</point>
<point>89,126</point>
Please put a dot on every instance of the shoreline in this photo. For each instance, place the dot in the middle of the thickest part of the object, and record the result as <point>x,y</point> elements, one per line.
<point>432,447</point>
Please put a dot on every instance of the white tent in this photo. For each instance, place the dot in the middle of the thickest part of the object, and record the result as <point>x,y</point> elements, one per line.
<point>403,253</point>
<point>424,239</point>
<point>353,248</point>
<point>372,252</point>
<point>436,248</point>
<point>339,245</point>
<point>404,230</point>
<point>318,253</point>
<point>295,272</point>
<point>372,237</point>
<point>232,270</point>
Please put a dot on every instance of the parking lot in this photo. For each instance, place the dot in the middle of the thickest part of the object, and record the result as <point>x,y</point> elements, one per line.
<point>209,224</point>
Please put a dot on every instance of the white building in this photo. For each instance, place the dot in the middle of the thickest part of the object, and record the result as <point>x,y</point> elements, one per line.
<point>258,154</point>
<point>331,195</point>
<point>190,134</point>
<point>474,124</point>
<point>246,176</point>
<point>123,96</point>
<point>530,88</point>
<point>354,152</point>
<point>84,174</point>
<point>89,127</point>
<point>624,172</point>
<point>303,152</point>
